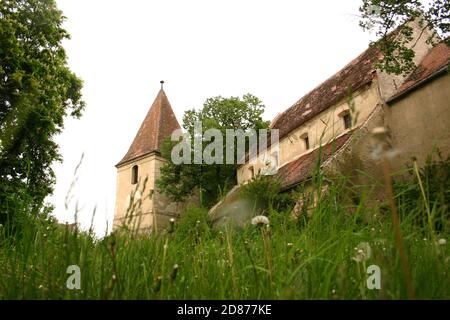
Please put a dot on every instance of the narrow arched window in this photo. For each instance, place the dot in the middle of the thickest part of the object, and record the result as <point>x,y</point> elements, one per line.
<point>305,139</point>
<point>134,174</point>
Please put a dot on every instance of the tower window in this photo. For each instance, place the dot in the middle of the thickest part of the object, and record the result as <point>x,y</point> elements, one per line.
<point>134,174</point>
<point>306,140</point>
<point>347,120</point>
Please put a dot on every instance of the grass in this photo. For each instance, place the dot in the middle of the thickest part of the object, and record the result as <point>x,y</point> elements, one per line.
<point>306,258</point>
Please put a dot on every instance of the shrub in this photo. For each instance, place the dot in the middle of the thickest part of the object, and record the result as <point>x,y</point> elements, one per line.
<point>267,191</point>
<point>193,225</point>
<point>434,177</point>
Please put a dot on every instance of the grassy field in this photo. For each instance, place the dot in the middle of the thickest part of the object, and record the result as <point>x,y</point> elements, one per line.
<point>325,256</point>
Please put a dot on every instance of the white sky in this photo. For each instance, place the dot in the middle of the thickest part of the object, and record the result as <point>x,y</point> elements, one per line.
<point>277,50</point>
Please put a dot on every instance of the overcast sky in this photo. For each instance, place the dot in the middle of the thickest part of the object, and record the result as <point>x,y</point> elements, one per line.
<point>277,50</point>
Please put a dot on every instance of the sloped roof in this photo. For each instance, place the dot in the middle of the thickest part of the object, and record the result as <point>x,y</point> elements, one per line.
<point>159,124</point>
<point>302,168</point>
<point>352,77</point>
<point>437,59</point>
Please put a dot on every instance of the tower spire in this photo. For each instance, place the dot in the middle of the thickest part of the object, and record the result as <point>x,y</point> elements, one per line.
<point>162,84</point>
<point>159,124</point>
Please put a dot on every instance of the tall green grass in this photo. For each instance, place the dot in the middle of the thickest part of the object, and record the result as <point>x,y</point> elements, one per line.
<point>304,258</point>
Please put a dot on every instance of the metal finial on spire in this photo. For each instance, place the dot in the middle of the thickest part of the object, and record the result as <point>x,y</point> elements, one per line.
<point>162,84</point>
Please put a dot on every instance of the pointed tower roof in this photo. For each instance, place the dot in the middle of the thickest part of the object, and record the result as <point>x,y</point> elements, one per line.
<point>159,124</point>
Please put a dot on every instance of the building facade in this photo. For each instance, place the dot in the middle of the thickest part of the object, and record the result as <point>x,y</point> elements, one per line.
<point>139,204</point>
<point>330,126</point>
<point>336,118</point>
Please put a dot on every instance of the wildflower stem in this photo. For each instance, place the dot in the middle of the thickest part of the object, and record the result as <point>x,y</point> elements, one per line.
<point>163,265</point>
<point>231,259</point>
<point>397,232</point>
<point>255,273</point>
<point>268,250</point>
<point>425,200</point>
<point>361,281</point>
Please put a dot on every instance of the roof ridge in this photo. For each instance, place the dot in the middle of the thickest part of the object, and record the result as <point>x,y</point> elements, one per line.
<point>159,96</point>
<point>353,61</point>
<point>356,73</point>
<point>433,63</point>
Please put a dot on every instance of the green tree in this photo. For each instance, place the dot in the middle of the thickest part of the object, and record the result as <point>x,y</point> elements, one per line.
<point>384,16</point>
<point>211,180</point>
<point>37,92</point>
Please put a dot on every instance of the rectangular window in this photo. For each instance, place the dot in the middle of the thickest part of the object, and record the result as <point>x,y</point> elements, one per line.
<point>347,121</point>
<point>306,139</point>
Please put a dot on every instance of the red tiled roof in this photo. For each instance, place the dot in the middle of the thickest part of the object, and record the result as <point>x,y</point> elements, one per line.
<point>159,124</point>
<point>302,168</point>
<point>355,75</point>
<point>438,58</point>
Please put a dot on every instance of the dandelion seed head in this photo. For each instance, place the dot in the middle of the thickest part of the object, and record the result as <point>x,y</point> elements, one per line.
<point>442,242</point>
<point>380,132</point>
<point>382,147</point>
<point>363,252</point>
<point>260,221</point>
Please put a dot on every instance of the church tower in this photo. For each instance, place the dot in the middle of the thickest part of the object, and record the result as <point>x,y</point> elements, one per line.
<point>139,205</point>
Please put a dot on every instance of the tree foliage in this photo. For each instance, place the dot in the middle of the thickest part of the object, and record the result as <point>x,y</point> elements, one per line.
<point>384,16</point>
<point>37,92</point>
<point>211,180</point>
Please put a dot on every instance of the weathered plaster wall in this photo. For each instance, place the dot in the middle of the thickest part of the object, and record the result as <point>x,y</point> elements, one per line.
<point>156,209</point>
<point>124,190</point>
<point>420,122</point>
